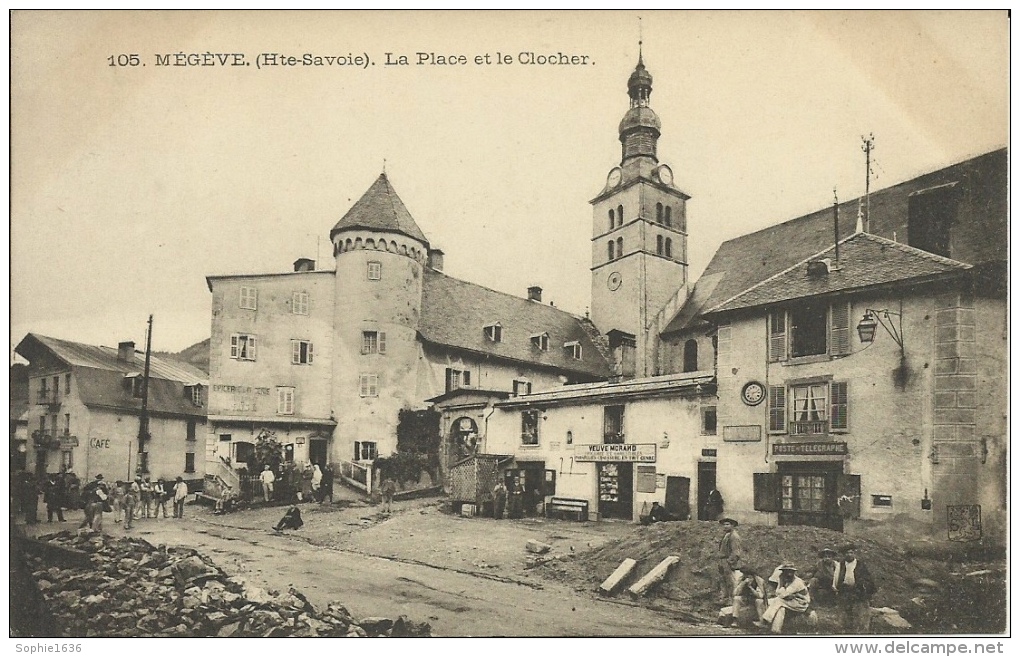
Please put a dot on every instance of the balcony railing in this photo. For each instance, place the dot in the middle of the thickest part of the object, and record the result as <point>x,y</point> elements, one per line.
<point>809,428</point>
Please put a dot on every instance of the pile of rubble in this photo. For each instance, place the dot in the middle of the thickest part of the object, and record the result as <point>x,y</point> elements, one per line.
<point>129,588</point>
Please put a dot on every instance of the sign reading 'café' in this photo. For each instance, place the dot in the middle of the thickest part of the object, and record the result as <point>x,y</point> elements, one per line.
<point>640,453</point>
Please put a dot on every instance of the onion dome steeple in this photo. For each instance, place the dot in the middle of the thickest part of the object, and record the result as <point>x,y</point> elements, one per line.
<point>640,127</point>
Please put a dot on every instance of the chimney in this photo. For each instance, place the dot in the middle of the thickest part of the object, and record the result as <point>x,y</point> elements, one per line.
<point>126,351</point>
<point>304,264</point>
<point>534,293</point>
<point>436,259</point>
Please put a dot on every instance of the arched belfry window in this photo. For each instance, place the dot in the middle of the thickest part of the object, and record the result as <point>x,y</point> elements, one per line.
<point>612,253</point>
<point>612,219</point>
<point>619,215</point>
<point>669,247</point>
<point>619,247</point>
<point>658,213</point>
<point>669,218</point>
<point>658,244</point>
<point>691,356</point>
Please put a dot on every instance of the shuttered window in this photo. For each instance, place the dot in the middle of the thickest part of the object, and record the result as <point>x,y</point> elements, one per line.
<point>839,407</point>
<point>839,339</point>
<point>301,352</point>
<point>777,408</point>
<point>777,336</point>
<point>285,401</point>
<point>242,347</point>
<point>766,491</point>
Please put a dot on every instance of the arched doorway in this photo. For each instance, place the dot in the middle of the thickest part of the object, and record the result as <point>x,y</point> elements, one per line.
<point>463,439</point>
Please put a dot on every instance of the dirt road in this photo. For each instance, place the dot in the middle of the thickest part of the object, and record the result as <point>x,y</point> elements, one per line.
<point>368,567</point>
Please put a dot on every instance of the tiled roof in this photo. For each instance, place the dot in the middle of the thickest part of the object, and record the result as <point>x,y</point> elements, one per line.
<point>864,261</point>
<point>454,313</point>
<point>107,389</point>
<point>105,358</point>
<point>978,235</point>
<point>380,209</point>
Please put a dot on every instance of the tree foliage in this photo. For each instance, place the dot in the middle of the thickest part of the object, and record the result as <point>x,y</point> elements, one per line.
<point>268,451</point>
<point>418,431</point>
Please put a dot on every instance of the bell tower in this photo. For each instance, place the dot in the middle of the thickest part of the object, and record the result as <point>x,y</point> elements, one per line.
<point>639,231</point>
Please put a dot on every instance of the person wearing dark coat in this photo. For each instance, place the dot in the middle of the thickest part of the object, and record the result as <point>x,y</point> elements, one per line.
<point>326,488</point>
<point>713,505</point>
<point>290,520</point>
<point>854,587</point>
<point>53,496</point>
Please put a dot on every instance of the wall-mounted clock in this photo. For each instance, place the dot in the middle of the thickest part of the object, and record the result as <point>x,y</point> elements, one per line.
<point>753,393</point>
<point>614,281</point>
<point>615,176</point>
<point>665,175</point>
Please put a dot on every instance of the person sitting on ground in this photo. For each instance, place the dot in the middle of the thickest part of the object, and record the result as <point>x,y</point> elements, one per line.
<point>290,520</point>
<point>749,597</point>
<point>791,596</point>
<point>658,513</point>
<point>819,579</point>
<point>225,503</point>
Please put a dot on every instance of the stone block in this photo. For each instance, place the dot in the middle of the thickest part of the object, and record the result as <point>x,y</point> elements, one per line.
<point>537,547</point>
<point>967,333</point>
<point>947,300</point>
<point>947,317</point>
<point>949,333</point>
<point>967,366</point>
<point>966,399</point>
<point>955,349</point>
<point>614,581</point>
<point>657,574</point>
<point>947,366</point>
<point>966,317</point>
<point>945,400</point>
<point>955,382</point>
<point>946,432</point>
<point>954,416</point>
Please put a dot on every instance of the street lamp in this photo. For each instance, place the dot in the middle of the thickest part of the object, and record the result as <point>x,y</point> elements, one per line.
<point>867,328</point>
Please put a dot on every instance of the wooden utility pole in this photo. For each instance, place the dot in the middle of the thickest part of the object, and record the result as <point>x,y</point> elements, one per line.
<point>143,420</point>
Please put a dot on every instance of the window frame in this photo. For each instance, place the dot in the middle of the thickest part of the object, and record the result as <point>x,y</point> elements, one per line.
<point>707,411</point>
<point>494,332</point>
<point>540,341</point>
<point>833,398</point>
<point>250,347</point>
<point>614,430</point>
<point>573,347</point>
<point>285,400</point>
<point>191,432</point>
<point>781,332</point>
<point>299,303</point>
<point>249,298</point>
<point>301,352</point>
<point>189,462</point>
<point>368,385</point>
<point>373,342</point>
<point>374,271</point>
<point>519,384</point>
<point>530,431</point>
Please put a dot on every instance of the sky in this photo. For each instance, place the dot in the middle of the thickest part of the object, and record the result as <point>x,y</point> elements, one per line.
<point>131,184</point>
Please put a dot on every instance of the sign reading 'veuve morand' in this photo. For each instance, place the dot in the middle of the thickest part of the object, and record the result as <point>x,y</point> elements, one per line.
<point>640,453</point>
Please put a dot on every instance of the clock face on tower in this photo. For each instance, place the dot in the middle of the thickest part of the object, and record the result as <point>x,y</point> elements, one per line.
<point>614,281</point>
<point>614,177</point>
<point>665,174</point>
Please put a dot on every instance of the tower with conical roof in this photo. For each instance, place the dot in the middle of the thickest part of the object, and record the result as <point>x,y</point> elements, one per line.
<point>380,253</point>
<point>639,231</point>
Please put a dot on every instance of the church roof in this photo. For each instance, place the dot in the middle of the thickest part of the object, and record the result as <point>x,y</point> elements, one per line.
<point>380,209</point>
<point>455,313</point>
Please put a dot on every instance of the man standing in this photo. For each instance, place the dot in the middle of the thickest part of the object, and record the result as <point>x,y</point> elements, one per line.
<point>854,587</point>
<point>267,478</point>
<point>728,558</point>
<point>498,500</point>
<point>389,489</point>
<point>130,501</point>
<point>94,497</point>
<point>180,494</point>
<point>145,497</point>
<point>53,496</point>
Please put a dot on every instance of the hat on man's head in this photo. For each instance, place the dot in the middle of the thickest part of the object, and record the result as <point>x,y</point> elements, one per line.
<point>826,552</point>
<point>723,521</point>
<point>788,567</point>
<point>99,476</point>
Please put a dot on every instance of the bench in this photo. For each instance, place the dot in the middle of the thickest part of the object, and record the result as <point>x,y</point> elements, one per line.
<point>566,507</point>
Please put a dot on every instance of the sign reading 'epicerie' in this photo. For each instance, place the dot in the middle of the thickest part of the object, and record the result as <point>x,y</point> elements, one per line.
<point>641,453</point>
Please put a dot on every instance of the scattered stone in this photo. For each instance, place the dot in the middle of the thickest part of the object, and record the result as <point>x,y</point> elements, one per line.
<point>537,547</point>
<point>375,624</point>
<point>979,573</point>
<point>657,574</point>
<point>884,617</point>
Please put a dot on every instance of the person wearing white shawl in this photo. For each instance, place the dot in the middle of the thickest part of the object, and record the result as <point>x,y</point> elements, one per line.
<point>791,594</point>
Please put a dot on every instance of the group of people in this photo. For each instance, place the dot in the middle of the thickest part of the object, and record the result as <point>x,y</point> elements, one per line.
<point>130,501</point>
<point>310,483</point>
<point>514,502</point>
<point>837,578</point>
<point>60,491</point>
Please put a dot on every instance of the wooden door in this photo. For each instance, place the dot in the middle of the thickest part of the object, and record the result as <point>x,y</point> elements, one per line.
<point>678,497</point>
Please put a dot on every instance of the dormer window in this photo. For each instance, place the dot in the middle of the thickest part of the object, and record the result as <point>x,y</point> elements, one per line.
<point>494,332</point>
<point>134,382</point>
<point>540,341</point>
<point>573,348</point>
<point>193,393</point>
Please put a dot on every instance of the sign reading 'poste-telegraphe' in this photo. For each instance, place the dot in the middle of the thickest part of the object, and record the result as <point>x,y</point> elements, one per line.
<point>641,453</point>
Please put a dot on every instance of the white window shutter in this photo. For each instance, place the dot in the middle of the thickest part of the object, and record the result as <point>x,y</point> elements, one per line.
<point>309,353</point>
<point>777,335</point>
<point>251,347</point>
<point>295,352</point>
<point>382,342</point>
<point>233,346</point>
<point>840,405</point>
<point>839,339</point>
<point>777,408</point>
